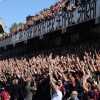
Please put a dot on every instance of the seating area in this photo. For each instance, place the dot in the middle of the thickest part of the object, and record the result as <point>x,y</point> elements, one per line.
<point>44,15</point>
<point>72,69</point>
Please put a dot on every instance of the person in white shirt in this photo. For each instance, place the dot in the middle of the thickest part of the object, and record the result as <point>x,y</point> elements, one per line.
<point>57,93</point>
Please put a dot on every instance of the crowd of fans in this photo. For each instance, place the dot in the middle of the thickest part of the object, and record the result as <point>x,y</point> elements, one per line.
<point>48,13</point>
<point>44,15</point>
<point>71,73</point>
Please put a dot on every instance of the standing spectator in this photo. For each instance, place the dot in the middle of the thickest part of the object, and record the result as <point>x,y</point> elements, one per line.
<point>29,90</point>
<point>4,95</point>
<point>74,96</point>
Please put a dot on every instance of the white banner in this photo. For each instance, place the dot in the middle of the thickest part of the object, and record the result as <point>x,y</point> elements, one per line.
<point>61,20</point>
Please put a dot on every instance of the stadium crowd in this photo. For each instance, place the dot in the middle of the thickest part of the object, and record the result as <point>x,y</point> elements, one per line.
<point>48,13</point>
<point>71,73</point>
<point>44,15</point>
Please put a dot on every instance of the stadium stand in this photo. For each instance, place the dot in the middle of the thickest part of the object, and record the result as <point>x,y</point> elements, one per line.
<point>60,65</point>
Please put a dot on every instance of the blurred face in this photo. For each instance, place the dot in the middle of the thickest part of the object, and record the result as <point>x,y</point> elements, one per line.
<point>74,94</point>
<point>72,78</point>
<point>15,81</point>
<point>59,82</point>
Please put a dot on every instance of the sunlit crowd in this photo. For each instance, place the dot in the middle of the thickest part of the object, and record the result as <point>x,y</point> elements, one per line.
<point>71,73</point>
<point>44,15</point>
